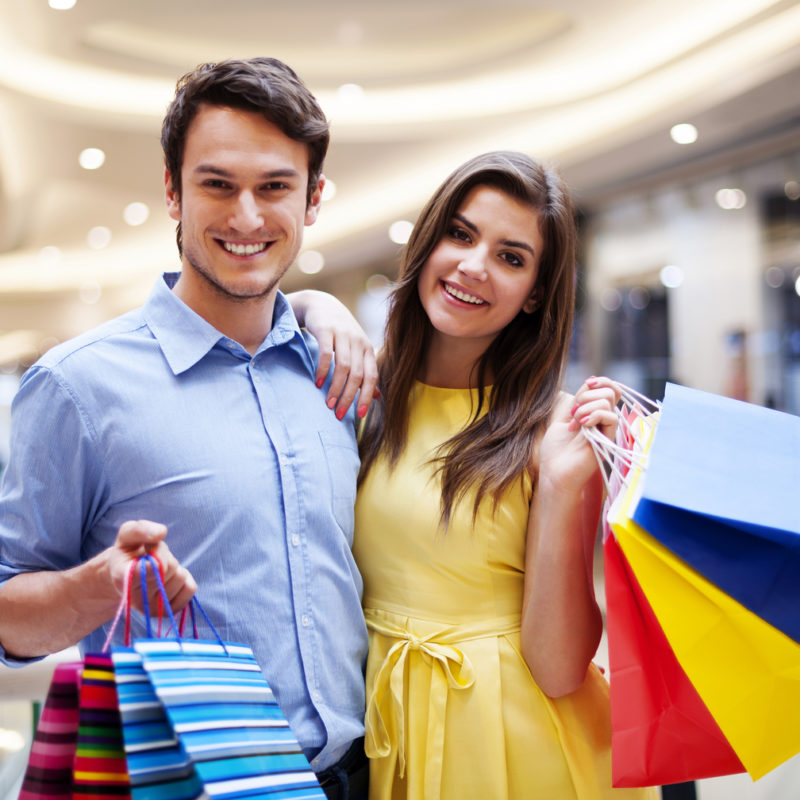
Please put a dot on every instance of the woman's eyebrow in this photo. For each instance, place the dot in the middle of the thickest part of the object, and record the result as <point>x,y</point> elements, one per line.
<point>507,242</point>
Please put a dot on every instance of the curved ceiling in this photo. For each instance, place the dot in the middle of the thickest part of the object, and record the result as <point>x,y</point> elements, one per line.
<point>411,89</point>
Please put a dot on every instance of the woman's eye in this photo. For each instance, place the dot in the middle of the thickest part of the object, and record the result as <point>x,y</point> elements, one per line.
<point>459,233</point>
<point>514,260</point>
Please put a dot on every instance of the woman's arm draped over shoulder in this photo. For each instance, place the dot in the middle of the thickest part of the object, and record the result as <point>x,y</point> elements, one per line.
<point>561,621</point>
<point>339,335</point>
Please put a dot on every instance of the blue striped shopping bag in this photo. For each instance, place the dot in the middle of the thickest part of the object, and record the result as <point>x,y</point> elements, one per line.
<point>200,720</point>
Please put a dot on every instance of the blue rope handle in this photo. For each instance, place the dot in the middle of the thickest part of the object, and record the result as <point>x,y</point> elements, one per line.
<point>194,603</point>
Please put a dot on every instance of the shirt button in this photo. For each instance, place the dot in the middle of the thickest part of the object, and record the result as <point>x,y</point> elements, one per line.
<point>305,620</point>
<point>295,539</point>
<point>316,695</point>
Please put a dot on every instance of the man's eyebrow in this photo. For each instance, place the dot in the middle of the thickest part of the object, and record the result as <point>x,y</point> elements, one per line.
<point>507,242</point>
<point>211,169</point>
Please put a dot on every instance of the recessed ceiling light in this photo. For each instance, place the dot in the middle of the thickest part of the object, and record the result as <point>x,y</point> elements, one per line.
<point>400,231</point>
<point>731,199</point>
<point>311,262</point>
<point>92,158</point>
<point>98,237</point>
<point>329,190</point>
<point>671,276</point>
<point>136,213</point>
<point>683,133</point>
<point>61,5</point>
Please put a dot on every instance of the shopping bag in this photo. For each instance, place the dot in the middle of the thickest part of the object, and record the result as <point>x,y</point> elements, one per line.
<point>220,711</point>
<point>48,774</point>
<point>746,671</point>
<point>721,492</point>
<point>661,731</point>
<point>100,770</point>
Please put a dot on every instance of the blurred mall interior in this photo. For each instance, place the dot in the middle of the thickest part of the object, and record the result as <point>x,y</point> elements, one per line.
<point>676,124</point>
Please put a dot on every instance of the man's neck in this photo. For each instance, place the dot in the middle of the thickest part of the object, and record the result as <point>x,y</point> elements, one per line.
<point>246,321</point>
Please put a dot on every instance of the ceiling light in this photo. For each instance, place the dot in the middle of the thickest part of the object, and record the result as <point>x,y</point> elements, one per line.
<point>11,741</point>
<point>683,133</point>
<point>61,5</point>
<point>774,277</point>
<point>350,92</point>
<point>49,256</point>
<point>92,158</point>
<point>400,231</point>
<point>731,199</point>
<point>797,286</point>
<point>329,190</point>
<point>610,299</point>
<point>792,190</point>
<point>671,276</point>
<point>136,213</point>
<point>311,262</point>
<point>639,298</point>
<point>98,237</point>
<point>90,293</point>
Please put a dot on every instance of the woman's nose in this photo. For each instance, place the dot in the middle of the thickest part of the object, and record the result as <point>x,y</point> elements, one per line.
<point>473,264</point>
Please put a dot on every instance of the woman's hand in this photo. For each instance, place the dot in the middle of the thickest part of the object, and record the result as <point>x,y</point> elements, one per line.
<point>566,457</point>
<point>339,335</point>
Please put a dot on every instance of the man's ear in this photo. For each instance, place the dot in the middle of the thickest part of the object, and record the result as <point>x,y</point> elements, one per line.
<point>171,196</point>
<point>533,302</point>
<point>312,210</point>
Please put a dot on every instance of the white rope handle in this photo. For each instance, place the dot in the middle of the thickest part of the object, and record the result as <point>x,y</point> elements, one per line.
<point>615,458</point>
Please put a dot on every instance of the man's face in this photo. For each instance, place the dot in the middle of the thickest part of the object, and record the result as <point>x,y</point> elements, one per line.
<point>242,204</point>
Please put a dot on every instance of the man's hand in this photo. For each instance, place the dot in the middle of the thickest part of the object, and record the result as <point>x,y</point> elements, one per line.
<point>140,537</point>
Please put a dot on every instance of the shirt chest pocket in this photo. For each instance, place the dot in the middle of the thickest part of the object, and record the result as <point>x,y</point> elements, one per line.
<point>341,458</point>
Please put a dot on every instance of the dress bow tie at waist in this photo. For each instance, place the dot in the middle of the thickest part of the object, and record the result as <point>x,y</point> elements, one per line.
<point>450,669</point>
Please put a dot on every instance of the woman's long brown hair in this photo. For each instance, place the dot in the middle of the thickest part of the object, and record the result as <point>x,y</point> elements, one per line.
<point>526,360</point>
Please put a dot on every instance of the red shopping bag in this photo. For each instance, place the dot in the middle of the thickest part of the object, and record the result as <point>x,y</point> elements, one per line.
<point>661,731</point>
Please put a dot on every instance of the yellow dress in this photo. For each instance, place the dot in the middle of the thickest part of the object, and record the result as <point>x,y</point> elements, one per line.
<point>452,709</point>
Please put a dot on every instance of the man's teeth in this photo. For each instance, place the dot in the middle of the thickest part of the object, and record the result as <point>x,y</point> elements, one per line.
<point>466,298</point>
<point>244,249</point>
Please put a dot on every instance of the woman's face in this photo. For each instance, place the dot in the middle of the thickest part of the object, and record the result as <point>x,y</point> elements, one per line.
<point>483,271</point>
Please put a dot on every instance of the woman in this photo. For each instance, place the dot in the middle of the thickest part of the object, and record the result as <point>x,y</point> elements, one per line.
<point>478,507</point>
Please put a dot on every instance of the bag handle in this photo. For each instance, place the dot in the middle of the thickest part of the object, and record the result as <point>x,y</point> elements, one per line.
<point>636,416</point>
<point>125,605</point>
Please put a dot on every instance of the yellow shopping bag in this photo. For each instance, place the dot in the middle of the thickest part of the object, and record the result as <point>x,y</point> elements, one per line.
<point>746,671</point>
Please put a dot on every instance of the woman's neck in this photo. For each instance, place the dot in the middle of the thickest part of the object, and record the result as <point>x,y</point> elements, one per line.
<point>453,364</point>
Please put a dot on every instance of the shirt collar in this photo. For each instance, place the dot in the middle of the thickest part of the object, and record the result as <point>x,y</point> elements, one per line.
<point>185,337</point>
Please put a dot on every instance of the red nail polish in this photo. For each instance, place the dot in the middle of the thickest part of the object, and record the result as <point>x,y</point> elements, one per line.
<point>320,381</point>
<point>574,409</point>
<point>583,420</point>
<point>340,412</point>
<point>362,412</point>
<point>331,402</point>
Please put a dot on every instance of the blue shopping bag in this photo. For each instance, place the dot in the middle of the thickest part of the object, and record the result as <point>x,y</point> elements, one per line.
<point>721,491</point>
<point>200,719</point>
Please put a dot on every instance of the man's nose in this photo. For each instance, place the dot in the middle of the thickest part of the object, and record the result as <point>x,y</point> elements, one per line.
<point>246,216</point>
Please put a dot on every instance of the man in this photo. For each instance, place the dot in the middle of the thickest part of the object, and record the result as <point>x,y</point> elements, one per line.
<point>199,415</point>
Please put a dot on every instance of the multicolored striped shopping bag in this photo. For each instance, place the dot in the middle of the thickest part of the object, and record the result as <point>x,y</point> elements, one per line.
<point>100,769</point>
<point>48,775</point>
<point>222,718</point>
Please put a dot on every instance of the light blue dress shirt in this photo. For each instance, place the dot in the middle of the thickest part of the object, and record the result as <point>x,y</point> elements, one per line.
<point>156,415</point>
